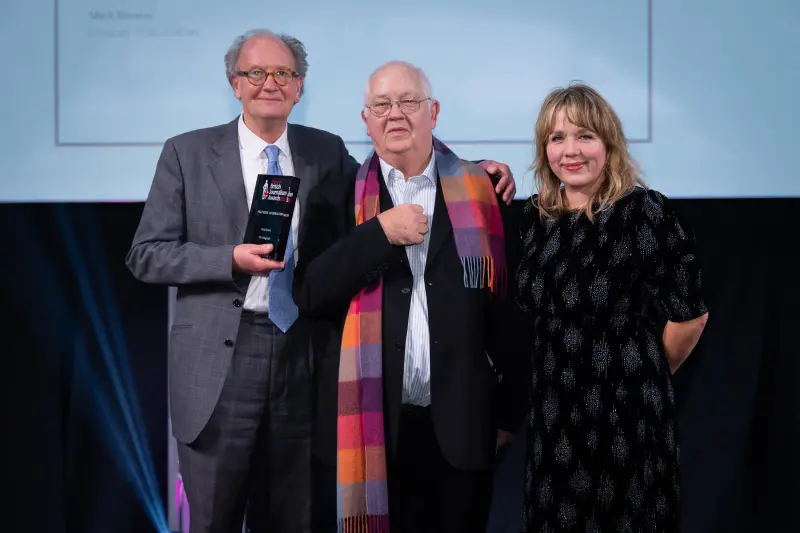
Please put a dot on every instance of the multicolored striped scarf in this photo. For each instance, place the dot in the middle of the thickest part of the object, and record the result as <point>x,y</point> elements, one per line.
<point>363,503</point>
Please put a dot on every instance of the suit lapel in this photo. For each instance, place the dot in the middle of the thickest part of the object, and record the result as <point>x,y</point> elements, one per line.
<point>305,167</point>
<point>226,167</point>
<point>386,203</point>
<point>396,306</point>
<point>440,228</point>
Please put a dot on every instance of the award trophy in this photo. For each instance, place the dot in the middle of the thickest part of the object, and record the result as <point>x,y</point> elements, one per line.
<point>271,212</point>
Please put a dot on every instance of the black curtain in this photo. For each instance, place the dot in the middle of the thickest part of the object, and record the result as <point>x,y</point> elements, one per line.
<point>71,457</point>
<point>738,394</point>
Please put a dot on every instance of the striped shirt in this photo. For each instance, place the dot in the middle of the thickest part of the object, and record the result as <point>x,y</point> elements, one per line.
<point>419,190</point>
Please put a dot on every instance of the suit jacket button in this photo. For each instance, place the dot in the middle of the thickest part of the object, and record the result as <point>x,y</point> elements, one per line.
<point>228,343</point>
<point>398,345</point>
<point>237,302</point>
<point>405,290</point>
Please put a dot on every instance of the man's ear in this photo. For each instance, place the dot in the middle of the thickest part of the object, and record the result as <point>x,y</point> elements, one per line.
<point>235,80</point>
<point>434,112</point>
<point>364,118</point>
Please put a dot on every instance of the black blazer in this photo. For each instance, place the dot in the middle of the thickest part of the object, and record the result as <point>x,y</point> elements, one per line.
<point>337,259</point>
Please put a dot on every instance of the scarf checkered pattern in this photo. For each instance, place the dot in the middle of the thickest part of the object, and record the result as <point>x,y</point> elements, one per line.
<point>362,495</point>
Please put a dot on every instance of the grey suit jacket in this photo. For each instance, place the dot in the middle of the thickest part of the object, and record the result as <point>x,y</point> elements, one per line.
<point>195,213</point>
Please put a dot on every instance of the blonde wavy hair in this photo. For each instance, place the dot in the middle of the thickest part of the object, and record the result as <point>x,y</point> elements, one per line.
<point>586,109</point>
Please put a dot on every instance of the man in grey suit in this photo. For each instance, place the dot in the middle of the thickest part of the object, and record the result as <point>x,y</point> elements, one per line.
<point>240,362</point>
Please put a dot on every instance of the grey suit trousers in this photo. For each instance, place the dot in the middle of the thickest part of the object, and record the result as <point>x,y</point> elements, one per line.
<point>253,456</point>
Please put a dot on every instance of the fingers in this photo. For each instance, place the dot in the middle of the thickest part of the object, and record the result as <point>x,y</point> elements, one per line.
<point>501,185</point>
<point>415,233</point>
<point>262,264</point>
<point>406,225</point>
<point>263,249</point>
<point>508,195</point>
<point>506,186</point>
<point>421,226</point>
<point>489,166</point>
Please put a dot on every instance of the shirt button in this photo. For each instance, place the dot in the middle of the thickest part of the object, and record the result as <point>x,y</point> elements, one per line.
<point>228,343</point>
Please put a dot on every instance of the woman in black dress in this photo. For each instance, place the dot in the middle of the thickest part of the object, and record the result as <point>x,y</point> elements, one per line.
<point>605,259</point>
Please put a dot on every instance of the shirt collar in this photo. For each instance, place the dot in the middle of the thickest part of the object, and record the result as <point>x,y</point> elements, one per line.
<point>253,146</point>
<point>429,172</point>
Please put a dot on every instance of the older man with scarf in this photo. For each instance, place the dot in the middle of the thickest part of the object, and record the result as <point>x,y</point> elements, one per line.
<point>407,267</point>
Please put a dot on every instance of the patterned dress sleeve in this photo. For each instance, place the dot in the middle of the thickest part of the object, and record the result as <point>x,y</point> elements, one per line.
<point>677,282</point>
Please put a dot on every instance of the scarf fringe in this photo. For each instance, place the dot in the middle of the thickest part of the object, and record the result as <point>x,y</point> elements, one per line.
<point>483,272</point>
<point>364,524</point>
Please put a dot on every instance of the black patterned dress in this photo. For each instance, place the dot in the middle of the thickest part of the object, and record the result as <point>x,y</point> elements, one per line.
<point>603,447</point>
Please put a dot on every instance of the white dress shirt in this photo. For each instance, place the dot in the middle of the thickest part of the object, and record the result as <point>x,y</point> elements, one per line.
<point>419,190</point>
<point>254,162</point>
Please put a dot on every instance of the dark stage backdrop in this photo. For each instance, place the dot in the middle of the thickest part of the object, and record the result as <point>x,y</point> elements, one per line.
<point>739,393</point>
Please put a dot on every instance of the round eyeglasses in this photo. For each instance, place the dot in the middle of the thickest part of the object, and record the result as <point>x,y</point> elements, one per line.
<point>407,106</point>
<point>257,76</point>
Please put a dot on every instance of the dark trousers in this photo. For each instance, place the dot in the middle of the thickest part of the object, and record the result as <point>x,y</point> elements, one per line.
<point>426,493</point>
<point>253,457</point>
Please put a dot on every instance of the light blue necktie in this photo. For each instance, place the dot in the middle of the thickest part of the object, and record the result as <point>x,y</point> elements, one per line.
<point>282,310</point>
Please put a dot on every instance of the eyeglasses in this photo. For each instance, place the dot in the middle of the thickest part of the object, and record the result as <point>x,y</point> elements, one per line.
<point>406,105</point>
<point>256,76</point>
